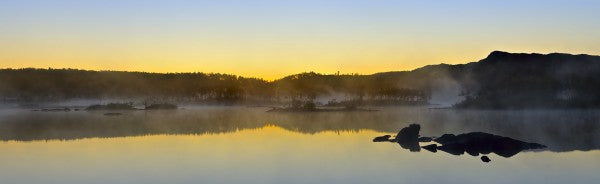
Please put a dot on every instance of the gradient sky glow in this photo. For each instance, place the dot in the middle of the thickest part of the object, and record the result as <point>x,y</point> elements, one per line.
<point>274,38</point>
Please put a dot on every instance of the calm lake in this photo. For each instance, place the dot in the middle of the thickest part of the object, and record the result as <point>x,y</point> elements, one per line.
<point>248,145</point>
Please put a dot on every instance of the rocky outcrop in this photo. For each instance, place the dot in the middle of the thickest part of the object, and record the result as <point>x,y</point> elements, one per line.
<point>476,143</point>
<point>473,143</point>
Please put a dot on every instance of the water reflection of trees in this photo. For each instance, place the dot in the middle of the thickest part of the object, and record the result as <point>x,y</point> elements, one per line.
<point>559,130</point>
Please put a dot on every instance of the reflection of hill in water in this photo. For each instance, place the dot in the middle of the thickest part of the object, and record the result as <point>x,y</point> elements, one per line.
<point>559,130</point>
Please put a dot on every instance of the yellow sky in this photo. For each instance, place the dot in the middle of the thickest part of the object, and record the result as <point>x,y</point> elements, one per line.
<point>264,60</point>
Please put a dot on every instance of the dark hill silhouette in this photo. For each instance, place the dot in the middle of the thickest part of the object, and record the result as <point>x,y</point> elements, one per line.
<point>515,80</point>
<point>507,80</point>
<point>500,81</point>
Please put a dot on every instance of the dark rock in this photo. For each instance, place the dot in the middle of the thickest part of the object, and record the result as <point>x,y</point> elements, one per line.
<point>485,159</point>
<point>472,152</point>
<point>446,138</point>
<point>385,138</point>
<point>112,114</point>
<point>408,137</point>
<point>455,149</point>
<point>409,134</point>
<point>412,146</point>
<point>431,147</point>
<point>475,143</point>
<point>425,139</point>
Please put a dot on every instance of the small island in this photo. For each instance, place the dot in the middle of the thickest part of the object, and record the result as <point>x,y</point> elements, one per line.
<point>130,106</point>
<point>310,106</point>
<point>111,106</point>
<point>160,106</point>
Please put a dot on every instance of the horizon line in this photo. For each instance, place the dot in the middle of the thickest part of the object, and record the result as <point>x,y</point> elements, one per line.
<point>287,75</point>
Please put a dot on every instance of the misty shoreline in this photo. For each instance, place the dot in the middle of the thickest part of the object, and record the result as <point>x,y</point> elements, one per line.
<point>500,81</point>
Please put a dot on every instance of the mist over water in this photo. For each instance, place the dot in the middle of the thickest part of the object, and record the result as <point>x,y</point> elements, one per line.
<point>560,130</point>
<point>447,92</point>
<point>247,144</point>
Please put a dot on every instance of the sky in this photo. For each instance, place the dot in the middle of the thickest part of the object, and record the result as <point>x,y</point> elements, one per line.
<point>274,38</point>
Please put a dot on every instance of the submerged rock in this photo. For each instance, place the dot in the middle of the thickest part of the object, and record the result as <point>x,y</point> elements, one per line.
<point>431,147</point>
<point>112,114</point>
<point>412,146</point>
<point>425,139</point>
<point>385,138</point>
<point>485,159</point>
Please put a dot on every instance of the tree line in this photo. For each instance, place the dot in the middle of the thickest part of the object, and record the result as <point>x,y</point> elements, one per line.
<point>30,84</point>
<point>500,81</point>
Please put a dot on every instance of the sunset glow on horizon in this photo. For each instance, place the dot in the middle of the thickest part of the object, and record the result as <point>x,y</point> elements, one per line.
<point>271,39</point>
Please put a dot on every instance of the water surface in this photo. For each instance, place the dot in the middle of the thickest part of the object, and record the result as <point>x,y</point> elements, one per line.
<point>249,145</point>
